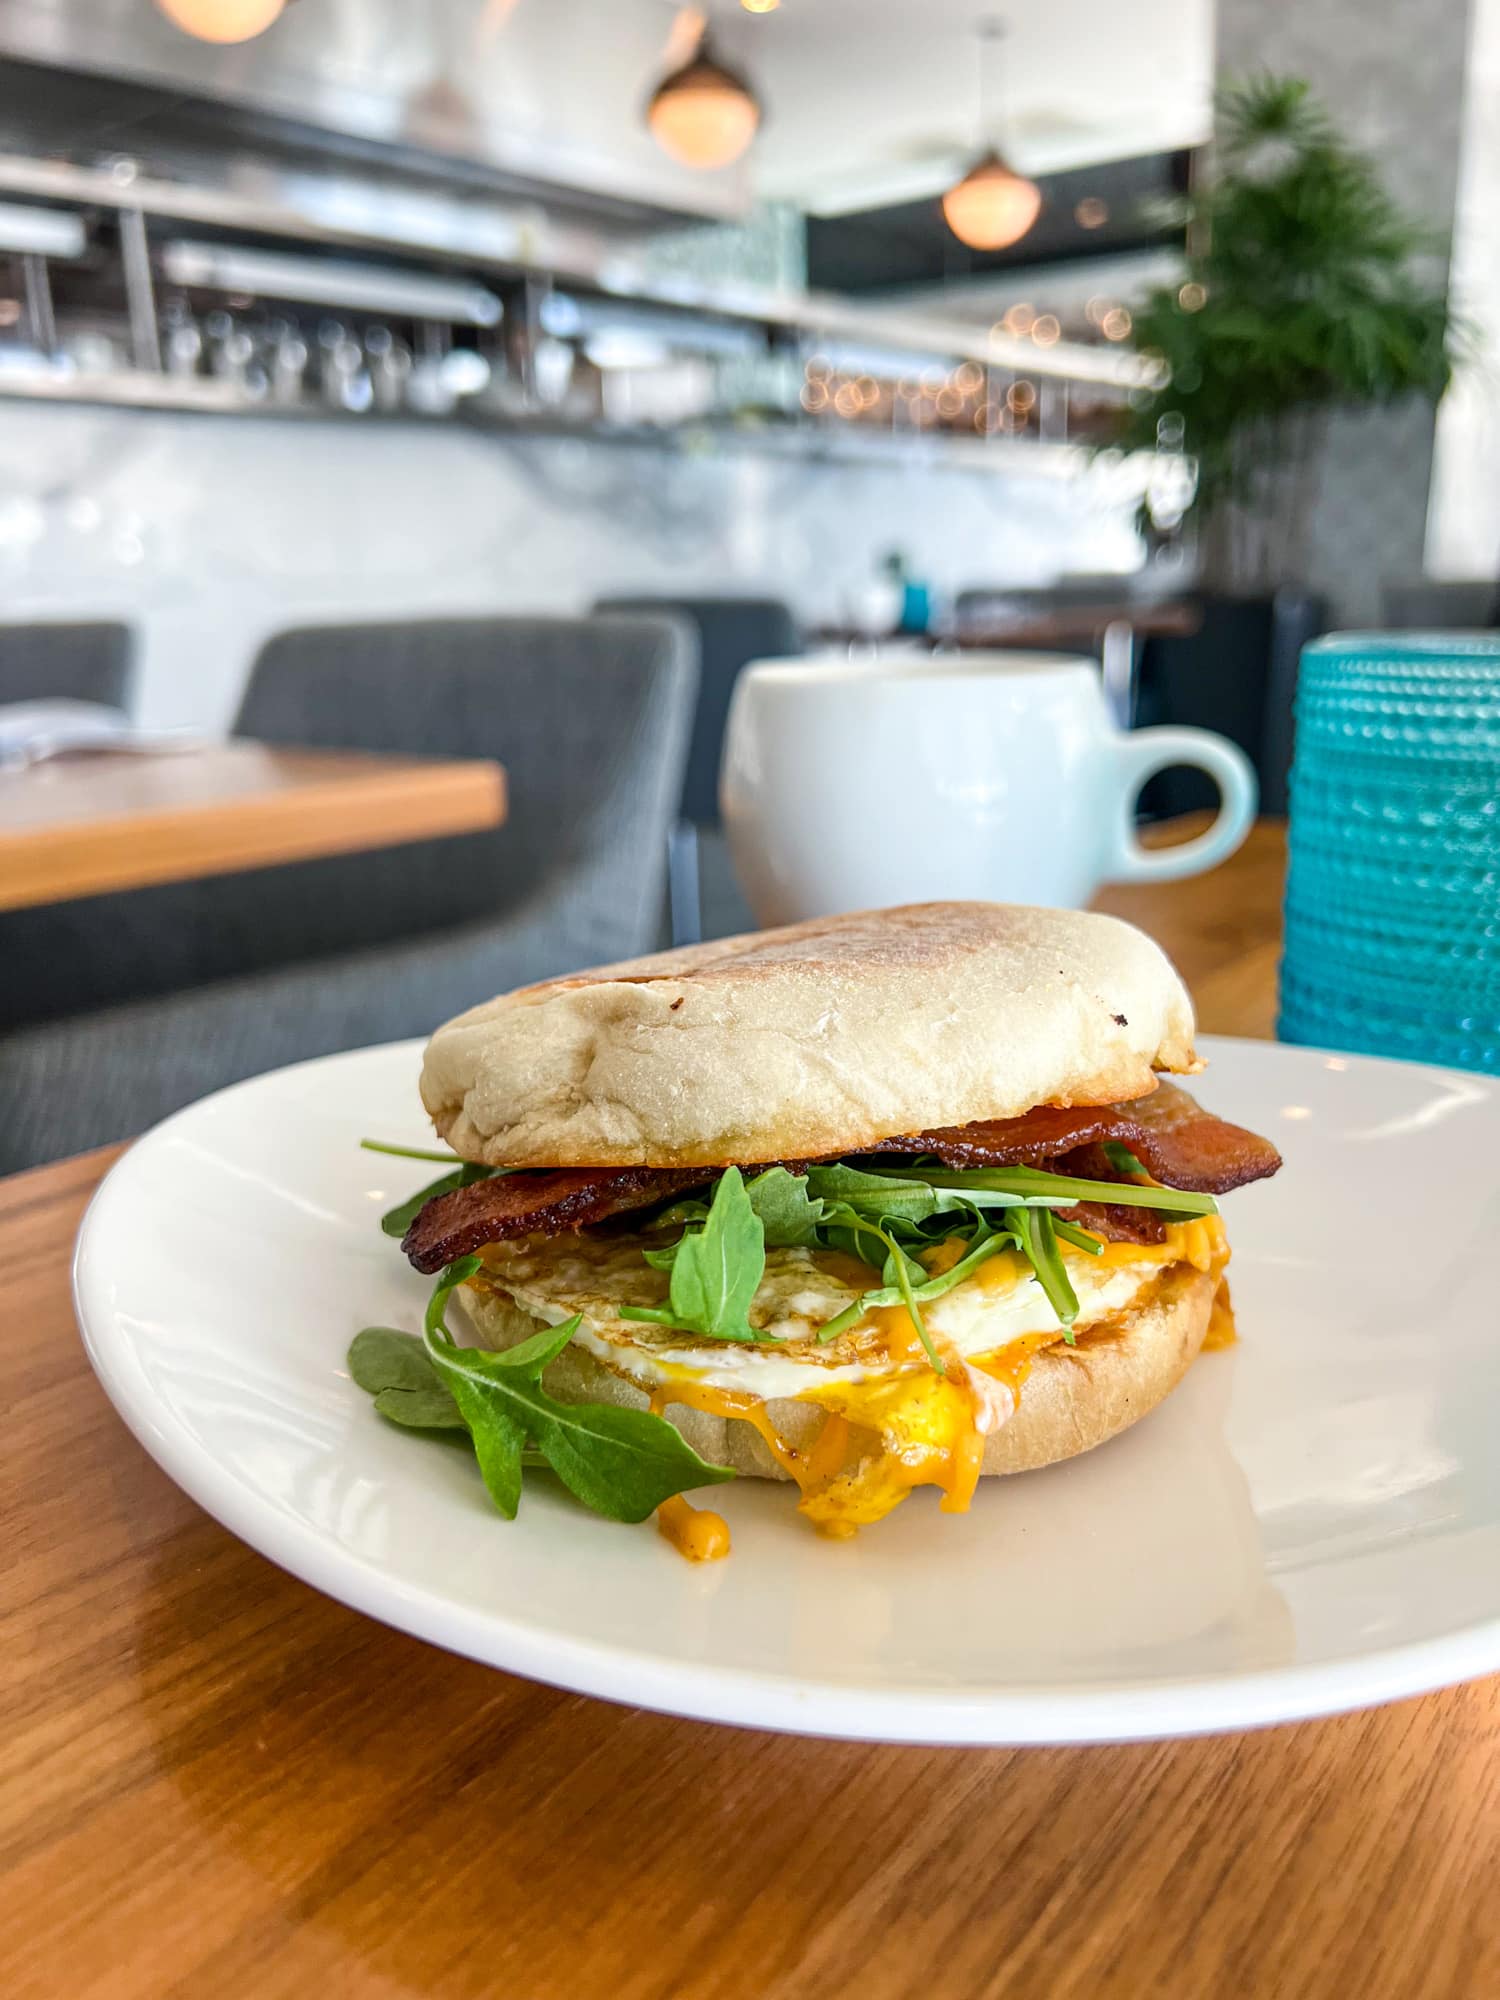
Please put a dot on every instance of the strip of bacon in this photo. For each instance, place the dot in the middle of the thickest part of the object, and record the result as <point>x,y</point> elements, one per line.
<point>1177,1142</point>
<point>544,1203</point>
<point>1174,1138</point>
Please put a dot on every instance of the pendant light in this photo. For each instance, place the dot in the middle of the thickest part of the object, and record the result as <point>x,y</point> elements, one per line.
<point>992,206</point>
<point>222,20</point>
<point>703,114</point>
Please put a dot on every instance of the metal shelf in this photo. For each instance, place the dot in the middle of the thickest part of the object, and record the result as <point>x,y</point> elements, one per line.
<point>487,238</point>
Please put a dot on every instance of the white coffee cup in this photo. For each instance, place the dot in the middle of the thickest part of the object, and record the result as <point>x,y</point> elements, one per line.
<point>849,784</point>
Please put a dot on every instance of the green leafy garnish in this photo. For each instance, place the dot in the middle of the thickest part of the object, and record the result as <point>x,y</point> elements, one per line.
<point>982,1246</point>
<point>449,1280</point>
<point>620,1463</point>
<point>476,1381</point>
<point>393,1367</point>
<point>789,1214</point>
<point>1037,1234</point>
<point>1010,1187</point>
<point>1079,1238</point>
<point>718,1261</point>
<point>408,1152</point>
<point>716,1269</point>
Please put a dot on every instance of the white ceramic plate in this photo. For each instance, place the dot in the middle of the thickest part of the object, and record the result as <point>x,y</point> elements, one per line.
<point>1311,1523</point>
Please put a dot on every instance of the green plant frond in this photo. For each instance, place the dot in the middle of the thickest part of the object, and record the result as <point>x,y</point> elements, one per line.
<point>1316,292</point>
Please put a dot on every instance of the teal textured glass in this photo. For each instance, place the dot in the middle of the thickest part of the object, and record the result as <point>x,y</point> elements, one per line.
<point>1393,894</point>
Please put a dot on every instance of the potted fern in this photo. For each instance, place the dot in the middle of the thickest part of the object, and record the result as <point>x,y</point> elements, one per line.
<point>1306,290</point>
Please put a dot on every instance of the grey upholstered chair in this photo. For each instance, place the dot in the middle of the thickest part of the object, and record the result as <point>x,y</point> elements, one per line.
<point>732,631</point>
<point>65,662</point>
<point>590,718</point>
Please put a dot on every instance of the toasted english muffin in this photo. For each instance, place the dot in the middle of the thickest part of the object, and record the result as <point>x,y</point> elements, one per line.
<point>820,1038</point>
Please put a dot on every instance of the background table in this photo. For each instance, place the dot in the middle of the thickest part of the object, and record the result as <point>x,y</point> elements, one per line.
<point>218,1783</point>
<point>83,825</point>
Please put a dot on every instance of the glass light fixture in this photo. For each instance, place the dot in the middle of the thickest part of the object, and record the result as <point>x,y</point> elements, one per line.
<point>703,114</point>
<point>760,6</point>
<point>992,206</point>
<point>223,20</point>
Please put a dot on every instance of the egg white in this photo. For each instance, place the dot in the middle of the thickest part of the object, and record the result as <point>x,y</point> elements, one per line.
<point>593,1276</point>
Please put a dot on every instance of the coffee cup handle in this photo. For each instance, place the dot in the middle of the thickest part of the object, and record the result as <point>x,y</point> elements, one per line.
<point>1144,752</point>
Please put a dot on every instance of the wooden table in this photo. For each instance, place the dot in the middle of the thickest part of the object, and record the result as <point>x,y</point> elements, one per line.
<point>219,1783</point>
<point>1079,625</point>
<point>82,825</point>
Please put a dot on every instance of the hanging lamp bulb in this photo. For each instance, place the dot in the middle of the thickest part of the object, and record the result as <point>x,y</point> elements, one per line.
<point>223,20</point>
<point>992,206</point>
<point>703,114</point>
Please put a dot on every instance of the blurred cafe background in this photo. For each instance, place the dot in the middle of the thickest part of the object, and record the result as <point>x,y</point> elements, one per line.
<point>413,418</point>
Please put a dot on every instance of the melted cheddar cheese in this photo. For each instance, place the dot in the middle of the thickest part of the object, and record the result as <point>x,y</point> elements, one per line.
<point>695,1532</point>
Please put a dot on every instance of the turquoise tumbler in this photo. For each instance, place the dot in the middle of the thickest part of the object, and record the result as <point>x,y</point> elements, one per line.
<point>1393,893</point>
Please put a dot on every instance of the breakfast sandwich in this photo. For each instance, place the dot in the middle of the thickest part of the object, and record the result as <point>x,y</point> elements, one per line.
<point>882,1201</point>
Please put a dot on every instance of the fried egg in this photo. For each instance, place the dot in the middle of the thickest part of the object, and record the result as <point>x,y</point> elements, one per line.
<point>552,1279</point>
<point>882,1419</point>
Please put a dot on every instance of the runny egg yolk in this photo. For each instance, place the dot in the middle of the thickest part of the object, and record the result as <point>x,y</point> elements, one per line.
<point>882,1437</point>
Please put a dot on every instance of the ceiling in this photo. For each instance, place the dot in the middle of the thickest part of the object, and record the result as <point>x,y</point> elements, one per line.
<point>877,101</point>
<point>867,101</point>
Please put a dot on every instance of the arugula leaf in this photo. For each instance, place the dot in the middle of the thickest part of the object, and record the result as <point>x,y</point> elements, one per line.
<point>892,1194</point>
<point>1123,1160</point>
<point>448,1283</point>
<point>898,1264</point>
<point>393,1368</point>
<point>450,1159</point>
<point>1038,1239</point>
<point>620,1463</point>
<point>382,1357</point>
<point>1030,1187</point>
<point>396,1221</point>
<point>1081,1239</point>
<point>496,1426</point>
<point>716,1270</point>
<point>789,1213</point>
<point>985,1244</point>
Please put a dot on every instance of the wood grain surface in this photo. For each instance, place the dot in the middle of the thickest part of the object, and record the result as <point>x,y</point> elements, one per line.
<point>85,825</point>
<point>218,1783</point>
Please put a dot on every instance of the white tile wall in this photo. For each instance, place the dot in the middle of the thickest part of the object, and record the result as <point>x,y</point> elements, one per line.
<point>211,533</point>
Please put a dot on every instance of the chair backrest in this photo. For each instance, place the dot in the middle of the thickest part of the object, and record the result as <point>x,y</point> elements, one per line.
<point>568,705</point>
<point>589,718</point>
<point>732,631</point>
<point>65,662</point>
